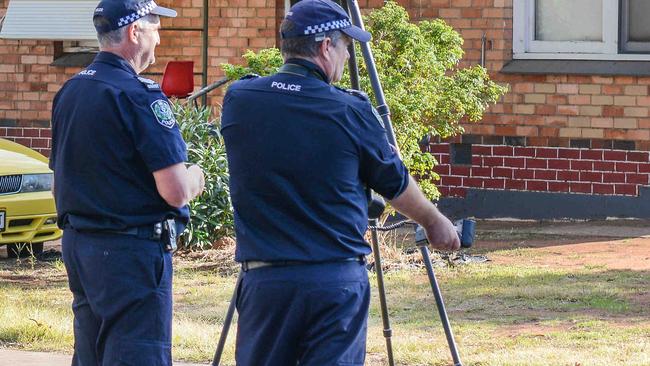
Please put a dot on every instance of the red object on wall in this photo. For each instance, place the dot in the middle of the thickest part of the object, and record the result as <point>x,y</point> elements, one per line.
<point>178,79</point>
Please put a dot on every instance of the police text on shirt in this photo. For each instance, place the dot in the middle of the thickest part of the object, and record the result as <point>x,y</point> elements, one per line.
<point>283,86</point>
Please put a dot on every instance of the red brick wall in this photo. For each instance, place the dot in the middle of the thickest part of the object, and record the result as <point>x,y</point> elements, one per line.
<point>543,169</point>
<point>560,112</point>
<point>234,27</point>
<point>27,86</point>
<point>554,109</point>
<point>546,109</point>
<point>28,82</point>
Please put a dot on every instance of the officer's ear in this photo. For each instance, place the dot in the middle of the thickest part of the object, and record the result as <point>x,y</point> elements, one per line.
<point>325,46</point>
<point>132,32</point>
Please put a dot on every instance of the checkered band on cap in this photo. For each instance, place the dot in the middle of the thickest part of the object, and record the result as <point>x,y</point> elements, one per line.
<point>141,12</point>
<point>332,25</point>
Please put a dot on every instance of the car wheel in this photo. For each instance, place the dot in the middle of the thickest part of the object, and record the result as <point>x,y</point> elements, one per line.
<point>22,250</point>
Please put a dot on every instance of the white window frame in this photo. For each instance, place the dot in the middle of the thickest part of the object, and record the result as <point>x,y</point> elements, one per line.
<point>524,45</point>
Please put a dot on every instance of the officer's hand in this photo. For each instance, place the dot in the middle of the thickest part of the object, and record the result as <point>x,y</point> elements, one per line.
<point>199,178</point>
<point>441,233</point>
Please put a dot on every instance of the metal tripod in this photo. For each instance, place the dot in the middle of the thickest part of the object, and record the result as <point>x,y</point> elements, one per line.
<point>382,108</point>
<point>375,209</point>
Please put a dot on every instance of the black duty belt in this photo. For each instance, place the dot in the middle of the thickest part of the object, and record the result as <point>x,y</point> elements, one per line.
<point>248,265</point>
<point>152,231</point>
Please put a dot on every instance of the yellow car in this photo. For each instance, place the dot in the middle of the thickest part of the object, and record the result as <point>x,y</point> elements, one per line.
<point>27,211</point>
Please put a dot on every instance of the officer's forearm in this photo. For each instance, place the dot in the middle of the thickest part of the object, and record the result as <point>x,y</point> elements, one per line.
<point>177,185</point>
<point>440,231</point>
<point>414,205</point>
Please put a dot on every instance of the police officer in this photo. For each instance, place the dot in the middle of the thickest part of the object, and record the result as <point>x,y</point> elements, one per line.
<point>121,189</point>
<point>301,153</point>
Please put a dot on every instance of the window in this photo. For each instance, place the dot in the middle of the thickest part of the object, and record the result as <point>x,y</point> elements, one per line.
<point>74,53</point>
<point>635,28</point>
<point>581,29</point>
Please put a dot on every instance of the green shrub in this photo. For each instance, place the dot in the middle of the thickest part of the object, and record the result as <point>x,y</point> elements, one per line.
<point>265,62</point>
<point>211,212</point>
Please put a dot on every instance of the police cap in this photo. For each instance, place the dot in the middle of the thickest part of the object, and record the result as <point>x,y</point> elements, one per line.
<point>124,12</point>
<point>312,17</point>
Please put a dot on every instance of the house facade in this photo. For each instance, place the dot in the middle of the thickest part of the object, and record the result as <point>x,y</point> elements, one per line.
<point>570,139</point>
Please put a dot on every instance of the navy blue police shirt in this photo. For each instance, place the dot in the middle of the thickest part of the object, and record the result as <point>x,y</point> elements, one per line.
<point>111,129</point>
<point>300,153</point>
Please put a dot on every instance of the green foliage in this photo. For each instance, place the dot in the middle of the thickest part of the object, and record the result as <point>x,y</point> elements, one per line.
<point>211,212</point>
<point>426,92</point>
<point>418,67</point>
<point>265,62</point>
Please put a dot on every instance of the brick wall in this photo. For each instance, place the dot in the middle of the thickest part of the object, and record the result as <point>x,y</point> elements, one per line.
<point>554,110</point>
<point>27,85</point>
<point>549,110</point>
<point>28,82</point>
<point>543,169</point>
<point>234,27</point>
<point>565,113</point>
<point>550,133</point>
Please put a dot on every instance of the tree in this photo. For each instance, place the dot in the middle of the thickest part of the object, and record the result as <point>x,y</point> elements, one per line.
<point>426,91</point>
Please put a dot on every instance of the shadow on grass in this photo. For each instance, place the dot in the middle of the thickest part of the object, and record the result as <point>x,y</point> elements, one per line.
<point>490,241</point>
<point>29,274</point>
<point>487,242</point>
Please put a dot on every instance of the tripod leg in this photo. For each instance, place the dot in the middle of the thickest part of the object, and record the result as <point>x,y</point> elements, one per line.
<point>382,292</point>
<point>382,107</point>
<point>440,304</point>
<point>226,323</point>
<point>352,61</point>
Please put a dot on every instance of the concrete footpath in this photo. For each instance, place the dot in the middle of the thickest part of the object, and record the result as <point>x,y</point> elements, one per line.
<point>9,357</point>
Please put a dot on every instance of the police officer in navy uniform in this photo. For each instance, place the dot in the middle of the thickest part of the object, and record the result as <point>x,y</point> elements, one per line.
<point>301,153</point>
<point>121,189</point>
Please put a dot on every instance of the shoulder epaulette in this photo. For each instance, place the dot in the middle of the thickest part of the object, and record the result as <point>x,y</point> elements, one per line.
<point>249,76</point>
<point>357,93</point>
<point>87,72</point>
<point>150,84</point>
<point>363,96</point>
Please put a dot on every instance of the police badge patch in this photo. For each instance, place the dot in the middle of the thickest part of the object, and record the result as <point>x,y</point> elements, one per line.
<point>163,113</point>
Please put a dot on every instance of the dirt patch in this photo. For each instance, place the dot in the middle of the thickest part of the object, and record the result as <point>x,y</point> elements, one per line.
<point>621,253</point>
<point>221,260</point>
<point>530,330</point>
<point>630,254</point>
<point>24,274</point>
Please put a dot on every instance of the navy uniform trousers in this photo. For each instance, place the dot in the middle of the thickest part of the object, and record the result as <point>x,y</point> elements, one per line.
<point>311,315</point>
<point>122,288</point>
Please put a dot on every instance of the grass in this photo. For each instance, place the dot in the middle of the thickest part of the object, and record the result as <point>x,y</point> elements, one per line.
<point>516,314</point>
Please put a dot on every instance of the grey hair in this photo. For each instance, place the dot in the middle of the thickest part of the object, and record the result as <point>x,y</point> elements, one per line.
<point>304,46</point>
<point>115,37</point>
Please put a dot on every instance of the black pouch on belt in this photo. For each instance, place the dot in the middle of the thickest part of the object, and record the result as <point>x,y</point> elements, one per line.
<point>169,235</point>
